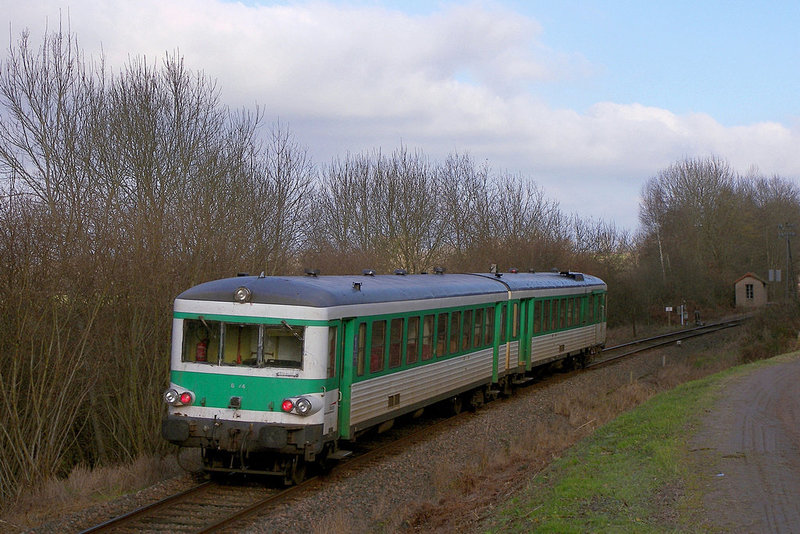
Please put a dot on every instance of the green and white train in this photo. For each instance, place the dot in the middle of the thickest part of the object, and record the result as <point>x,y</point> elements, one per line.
<point>270,374</point>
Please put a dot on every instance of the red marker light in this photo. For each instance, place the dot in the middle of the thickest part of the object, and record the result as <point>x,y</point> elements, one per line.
<point>186,398</point>
<point>287,405</point>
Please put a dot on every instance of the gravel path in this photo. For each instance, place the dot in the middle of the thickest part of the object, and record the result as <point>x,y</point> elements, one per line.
<point>748,453</point>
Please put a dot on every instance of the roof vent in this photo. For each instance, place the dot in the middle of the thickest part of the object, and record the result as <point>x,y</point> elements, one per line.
<point>438,270</point>
<point>357,286</point>
<point>242,274</point>
<point>312,272</point>
<point>575,276</point>
<point>400,272</point>
<point>368,272</point>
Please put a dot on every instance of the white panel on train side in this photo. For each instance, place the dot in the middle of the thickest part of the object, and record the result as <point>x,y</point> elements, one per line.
<point>548,345</point>
<point>513,357</point>
<point>370,398</point>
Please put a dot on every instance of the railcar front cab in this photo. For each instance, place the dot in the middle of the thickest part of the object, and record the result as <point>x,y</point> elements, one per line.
<point>252,389</point>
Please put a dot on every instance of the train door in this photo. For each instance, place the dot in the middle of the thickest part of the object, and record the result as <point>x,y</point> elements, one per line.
<point>334,373</point>
<point>350,330</point>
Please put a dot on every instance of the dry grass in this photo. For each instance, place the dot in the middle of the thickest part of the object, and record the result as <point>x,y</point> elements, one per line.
<point>85,487</point>
<point>463,493</point>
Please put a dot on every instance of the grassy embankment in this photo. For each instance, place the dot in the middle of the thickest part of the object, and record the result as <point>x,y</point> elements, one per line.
<point>632,475</point>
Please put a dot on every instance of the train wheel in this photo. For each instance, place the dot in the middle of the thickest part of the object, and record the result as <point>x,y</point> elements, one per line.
<point>456,404</point>
<point>477,400</point>
<point>295,471</point>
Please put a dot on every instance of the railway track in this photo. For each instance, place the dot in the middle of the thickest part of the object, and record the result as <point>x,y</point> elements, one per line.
<point>623,350</point>
<point>217,507</point>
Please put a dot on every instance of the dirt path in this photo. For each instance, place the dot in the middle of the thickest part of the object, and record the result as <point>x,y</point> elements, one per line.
<point>746,453</point>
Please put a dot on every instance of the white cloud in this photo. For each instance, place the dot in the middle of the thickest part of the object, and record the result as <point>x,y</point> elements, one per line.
<point>353,79</point>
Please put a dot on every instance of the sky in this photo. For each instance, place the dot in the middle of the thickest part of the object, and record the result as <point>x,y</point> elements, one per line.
<point>587,98</point>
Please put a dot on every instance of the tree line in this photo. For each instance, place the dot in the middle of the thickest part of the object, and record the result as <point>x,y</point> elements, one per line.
<point>120,190</point>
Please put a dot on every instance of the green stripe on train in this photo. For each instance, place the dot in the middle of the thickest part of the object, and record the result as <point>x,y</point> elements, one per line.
<point>252,320</point>
<point>214,390</point>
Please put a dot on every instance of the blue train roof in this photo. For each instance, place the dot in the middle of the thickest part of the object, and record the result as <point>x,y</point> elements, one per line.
<point>327,291</point>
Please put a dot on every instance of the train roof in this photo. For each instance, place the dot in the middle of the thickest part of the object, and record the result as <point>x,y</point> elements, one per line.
<point>329,291</point>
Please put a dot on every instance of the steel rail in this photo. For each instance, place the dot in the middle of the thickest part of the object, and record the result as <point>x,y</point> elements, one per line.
<point>673,338</point>
<point>119,521</point>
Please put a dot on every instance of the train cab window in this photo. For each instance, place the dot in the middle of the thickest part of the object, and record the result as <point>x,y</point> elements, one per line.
<point>360,349</point>
<point>332,351</point>
<point>477,336</point>
<point>201,341</point>
<point>412,345</point>
<point>467,330</point>
<point>441,335</point>
<point>377,346</point>
<point>395,342</point>
<point>427,337</point>
<point>243,344</point>
<point>283,345</point>
<point>489,337</point>
<point>455,324</point>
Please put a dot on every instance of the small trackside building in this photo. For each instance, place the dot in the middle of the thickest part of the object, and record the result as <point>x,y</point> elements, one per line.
<point>750,291</point>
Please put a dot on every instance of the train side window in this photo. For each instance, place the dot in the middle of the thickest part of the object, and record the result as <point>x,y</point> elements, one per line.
<point>412,345</point>
<point>537,316</point>
<point>489,339</point>
<point>503,322</point>
<point>477,338</point>
<point>395,342</point>
<point>568,318</point>
<point>455,324</point>
<point>441,335</point>
<point>332,331</point>
<point>427,337</point>
<point>361,349</point>
<point>515,320</point>
<point>562,313</point>
<point>377,348</point>
<point>590,308</point>
<point>467,330</point>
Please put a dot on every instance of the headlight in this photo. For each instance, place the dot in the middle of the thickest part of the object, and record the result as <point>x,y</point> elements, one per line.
<point>303,406</point>
<point>170,396</point>
<point>242,295</point>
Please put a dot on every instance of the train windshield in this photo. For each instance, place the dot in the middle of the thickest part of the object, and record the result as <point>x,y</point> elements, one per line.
<point>221,343</point>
